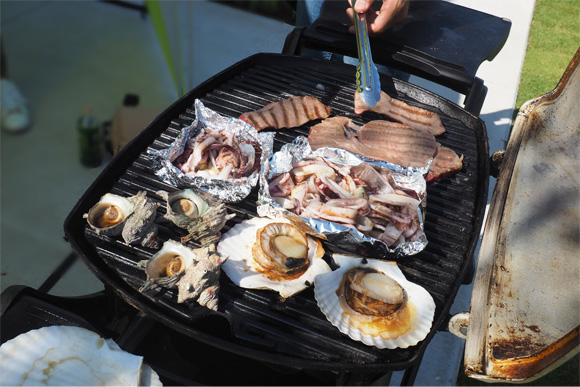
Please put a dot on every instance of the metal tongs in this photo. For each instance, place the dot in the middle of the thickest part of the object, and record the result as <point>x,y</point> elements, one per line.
<point>367,76</point>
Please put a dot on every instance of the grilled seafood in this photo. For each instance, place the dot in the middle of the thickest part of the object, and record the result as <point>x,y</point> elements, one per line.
<point>109,214</point>
<point>354,196</point>
<point>272,254</point>
<point>133,218</point>
<point>371,301</point>
<point>203,217</point>
<point>219,154</point>
<point>167,266</point>
<point>388,141</point>
<point>201,280</point>
<point>194,272</point>
<point>289,113</point>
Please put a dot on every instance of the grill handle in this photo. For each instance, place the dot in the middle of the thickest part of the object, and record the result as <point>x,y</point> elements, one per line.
<point>439,41</point>
<point>458,324</point>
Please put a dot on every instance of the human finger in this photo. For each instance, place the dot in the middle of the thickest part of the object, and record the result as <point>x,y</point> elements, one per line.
<point>391,13</point>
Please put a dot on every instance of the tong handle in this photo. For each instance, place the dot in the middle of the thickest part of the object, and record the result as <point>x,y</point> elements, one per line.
<point>363,68</point>
<point>367,77</point>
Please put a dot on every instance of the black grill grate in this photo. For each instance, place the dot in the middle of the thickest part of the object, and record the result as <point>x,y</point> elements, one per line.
<point>259,325</point>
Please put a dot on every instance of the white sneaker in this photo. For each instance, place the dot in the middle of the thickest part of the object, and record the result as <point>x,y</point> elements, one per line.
<point>15,117</point>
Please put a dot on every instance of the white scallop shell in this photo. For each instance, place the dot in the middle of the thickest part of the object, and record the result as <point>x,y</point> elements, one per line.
<point>67,355</point>
<point>237,245</point>
<point>326,285</point>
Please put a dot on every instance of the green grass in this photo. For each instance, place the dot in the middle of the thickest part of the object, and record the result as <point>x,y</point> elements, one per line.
<point>554,38</point>
<point>553,41</point>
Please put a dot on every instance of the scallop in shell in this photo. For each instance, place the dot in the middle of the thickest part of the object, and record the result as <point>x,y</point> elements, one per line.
<point>109,214</point>
<point>167,266</point>
<point>372,302</point>
<point>272,254</point>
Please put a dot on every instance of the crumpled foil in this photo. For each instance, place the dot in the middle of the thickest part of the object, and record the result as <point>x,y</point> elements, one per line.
<point>229,191</point>
<point>340,236</point>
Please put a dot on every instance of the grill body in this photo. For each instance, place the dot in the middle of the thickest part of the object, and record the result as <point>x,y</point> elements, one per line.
<point>256,323</point>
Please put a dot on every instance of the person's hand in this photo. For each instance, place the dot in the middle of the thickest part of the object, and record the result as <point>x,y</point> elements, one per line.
<point>391,13</point>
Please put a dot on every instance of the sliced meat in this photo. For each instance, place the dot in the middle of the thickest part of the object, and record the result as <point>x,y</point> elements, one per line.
<point>289,113</point>
<point>401,112</point>
<point>445,164</point>
<point>395,144</point>
<point>339,132</point>
<point>331,133</point>
<point>415,146</point>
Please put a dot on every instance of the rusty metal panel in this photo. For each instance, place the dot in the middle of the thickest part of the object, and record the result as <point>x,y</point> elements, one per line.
<point>525,308</point>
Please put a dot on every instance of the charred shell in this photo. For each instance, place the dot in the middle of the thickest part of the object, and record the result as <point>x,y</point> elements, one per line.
<point>140,227</point>
<point>201,280</point>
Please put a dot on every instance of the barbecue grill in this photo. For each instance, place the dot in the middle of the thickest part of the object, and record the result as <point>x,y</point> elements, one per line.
<point>254,328</point>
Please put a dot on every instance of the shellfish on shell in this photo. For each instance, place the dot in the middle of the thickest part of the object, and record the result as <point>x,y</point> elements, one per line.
<point>194,272</point>
<point>131,217</point>
<point>184,205</point>
<point>202,216</point>
<point>272,254</point>
<point>109,214</point>
<point>167,265</point>
<point>371,301</point>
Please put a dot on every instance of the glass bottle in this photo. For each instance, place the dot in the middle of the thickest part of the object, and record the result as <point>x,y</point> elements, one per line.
<point>90,139</point>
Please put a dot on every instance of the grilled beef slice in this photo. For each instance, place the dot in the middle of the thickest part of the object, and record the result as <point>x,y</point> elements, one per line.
<point>445,164</point>
<point>380,140</point>
<point>289,113</point>
<point>401,112</point>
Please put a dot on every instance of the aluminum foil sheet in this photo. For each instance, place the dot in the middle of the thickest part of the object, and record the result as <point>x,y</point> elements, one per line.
<point>229,191</point>
<point>340,236</point>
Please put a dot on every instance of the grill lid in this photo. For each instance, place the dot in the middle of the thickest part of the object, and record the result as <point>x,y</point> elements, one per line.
<point>524,318</point>
<point>440,41</point>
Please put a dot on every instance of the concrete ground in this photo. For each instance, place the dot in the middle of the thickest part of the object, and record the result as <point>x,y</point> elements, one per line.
<point>66,54</point>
